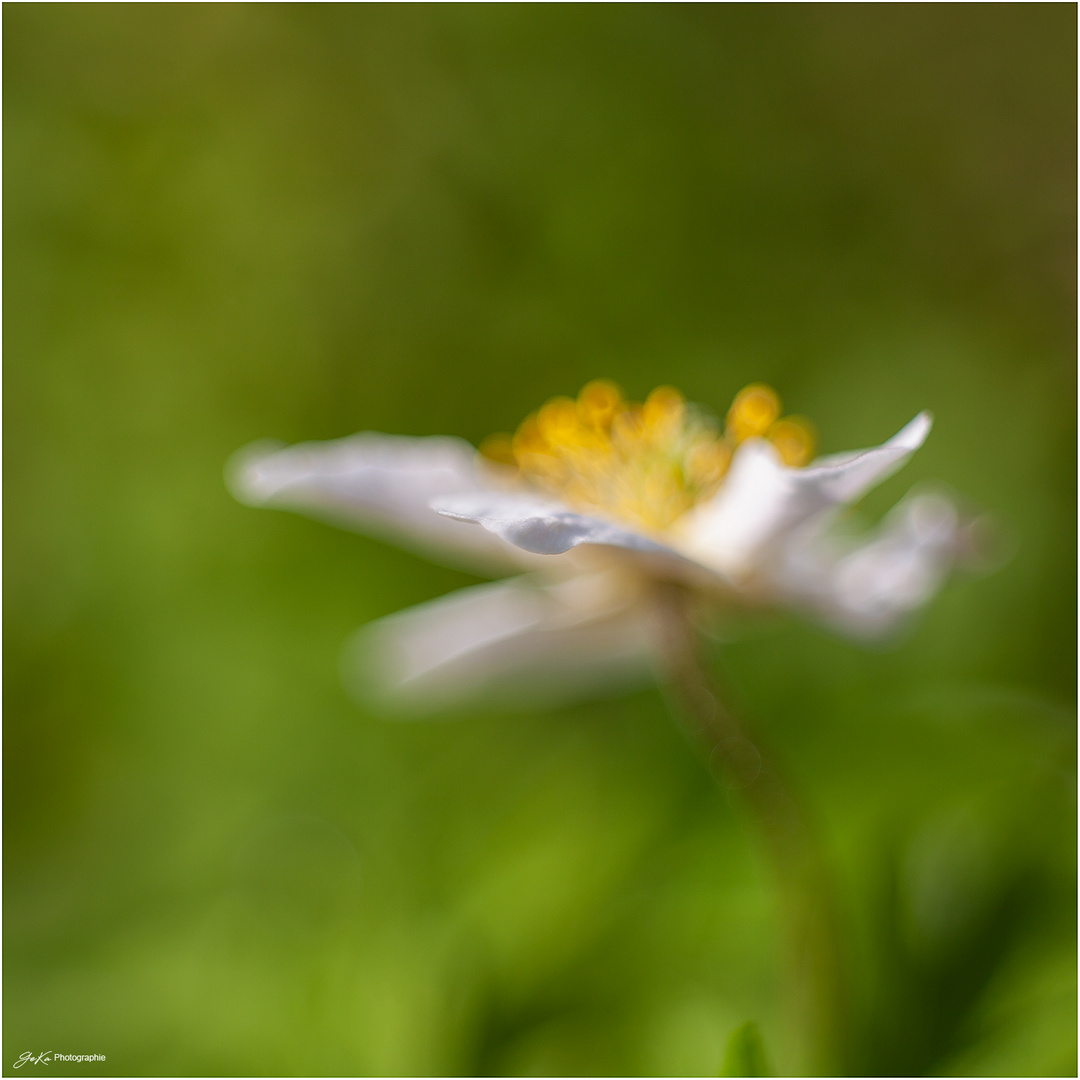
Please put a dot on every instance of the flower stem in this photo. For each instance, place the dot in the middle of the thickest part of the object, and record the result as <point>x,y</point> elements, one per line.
<point>744,764</point>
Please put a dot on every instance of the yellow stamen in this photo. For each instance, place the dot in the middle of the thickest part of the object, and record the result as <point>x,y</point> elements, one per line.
<point>558,420</point>
<point>708,461</point>
<point>598,403</point>
<point>628,425</point>
<point>644,464</point>
<point>794,437</point>
<point>754,410</point>
<point>663,410</point>
<point>499,448</point>
<point>528,438</point>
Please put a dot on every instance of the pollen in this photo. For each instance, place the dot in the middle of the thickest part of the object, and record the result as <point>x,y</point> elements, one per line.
<point>645,464</point>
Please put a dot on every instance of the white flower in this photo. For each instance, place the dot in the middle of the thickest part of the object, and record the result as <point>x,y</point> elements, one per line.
<point>590,504</point>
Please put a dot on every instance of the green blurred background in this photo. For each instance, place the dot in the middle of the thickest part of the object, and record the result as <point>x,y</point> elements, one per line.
<point>232,222</point>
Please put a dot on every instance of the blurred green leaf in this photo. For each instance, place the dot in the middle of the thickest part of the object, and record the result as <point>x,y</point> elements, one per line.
<point>230,222</point>
<point>746,1053</point>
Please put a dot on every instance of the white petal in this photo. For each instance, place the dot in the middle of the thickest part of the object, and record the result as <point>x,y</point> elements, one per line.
<point>762,501</point>
<point>510,641</point>
<point>544,527</point>
<point>842,478</point>
<point>867,588</point>
<point>377,484</point>
<point>731,531</point>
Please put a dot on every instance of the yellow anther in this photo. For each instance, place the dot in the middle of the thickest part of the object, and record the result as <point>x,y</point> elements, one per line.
<point>795,439</point>
<point>598,403</point>
<point>753,412</point>
<point>707,462</point>
<point>643,464</point>
<point>558,420</point>
<point>499,448</point>
<point>544,465</point>
<point>628,425</point>
<point>528,438</point>
<point>663,408</point>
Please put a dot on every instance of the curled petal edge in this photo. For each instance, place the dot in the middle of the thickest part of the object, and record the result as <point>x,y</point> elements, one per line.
<point>763,500</point>
<point>541,527</point>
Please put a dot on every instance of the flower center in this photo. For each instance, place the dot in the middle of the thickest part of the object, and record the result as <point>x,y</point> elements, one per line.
<point>644,464</point>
